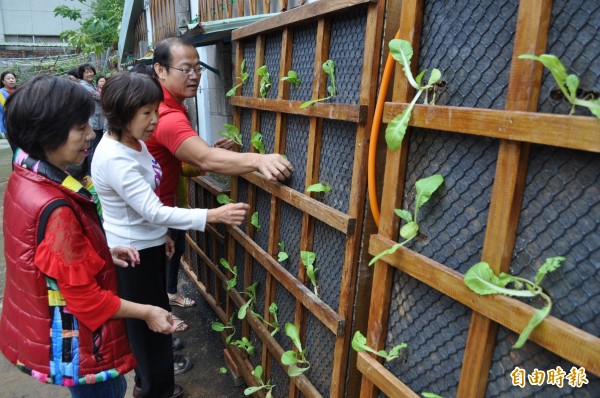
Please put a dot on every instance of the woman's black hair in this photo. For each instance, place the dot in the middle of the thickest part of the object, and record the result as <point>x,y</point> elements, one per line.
<point>3,75</point>
<point>42,111</point>
<point>122,96</point>
<point>74,72</point>
<point>82,69</point>
<point>143,68</point>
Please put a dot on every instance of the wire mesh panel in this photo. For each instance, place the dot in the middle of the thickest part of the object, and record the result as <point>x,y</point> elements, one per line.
<point>249,56</point>
<point>296,150</point>
<point>272,55</point>
<point>303,54</point>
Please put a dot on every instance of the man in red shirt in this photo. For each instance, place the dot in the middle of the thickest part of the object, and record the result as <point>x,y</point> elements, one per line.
<point>177,66</point>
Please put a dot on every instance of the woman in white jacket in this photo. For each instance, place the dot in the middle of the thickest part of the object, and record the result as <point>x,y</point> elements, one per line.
<point>127,180</point>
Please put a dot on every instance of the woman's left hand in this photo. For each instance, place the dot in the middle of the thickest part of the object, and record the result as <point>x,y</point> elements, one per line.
<point>123,256</point>
<point>169,246</point>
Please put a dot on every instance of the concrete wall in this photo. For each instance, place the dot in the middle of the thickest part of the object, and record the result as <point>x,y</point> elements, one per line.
<point>35,18</point>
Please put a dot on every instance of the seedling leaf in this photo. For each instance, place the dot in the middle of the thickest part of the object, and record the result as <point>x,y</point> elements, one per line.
<point>395,130</point>
<point>254,220</point>
<point>223,370</point>
<point>551,264</point>
<point>536,319</point>
<point>402,52</point>
<point>308,258</point>
<point>409,230</point>
<point>282,256</point>
<point>430,395</point>
<point>231,283</point>
<point>289,358</point>
<point>217,326</point>
<point>391,250</point>
<point>252,390</point>
<point>319,187</point>
<point>244,309</point>
<point>292,332</point>
<point>434,77</point>
<point>425,188</point>
<point>232,132</point>
<point>257,142</point>
<point>481,279</point>
<point>294,371</point>
<point>404,215</point>
<point>224,199</point>
<point>292,78</point>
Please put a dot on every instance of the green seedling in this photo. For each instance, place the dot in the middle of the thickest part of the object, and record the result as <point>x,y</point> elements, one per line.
<point>233,281</point>
<point>359,344</point>
<point>292,78</point>
<point>254,220</point>
<point>319,187</point>
<point>308,259</point>
<point>244,76</point>
<point>402,52</point>
<point>232,132</point>
<point>425,188</point>
<point>568,84</point>
<point>481,279</point>
<point>257,142</point>
<point>244,344</point>
<point>293,358</point>
<point>431,395</point>
<point>265,80</point>
<point>282,256</point>
<point>329,69</point>
<point>224,199</point>
<point>268,387</point>
<point>219,327</point>
<point>275,324</point>
<point>223,370</point>
<point>250,293</point>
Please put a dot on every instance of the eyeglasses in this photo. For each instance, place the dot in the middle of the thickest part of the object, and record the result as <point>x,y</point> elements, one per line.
<point>190,71</point>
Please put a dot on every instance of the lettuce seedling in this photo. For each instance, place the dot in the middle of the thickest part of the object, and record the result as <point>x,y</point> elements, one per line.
<point>250,293</point>
<point>257,373</point>
<point>402,52</point>
<point>265,80</point>
<point>257,142</point>
<point>244,76</point>
<point>244,344</point>
<point>329,69</point>
<point>275,324</point>
<point>293,358</point>
<point>224,199</point>
<point>425,188</point>
<point>292,78</point>
<point>219,327</point>
<point>431,395</point>
<point>568,84</point>
<point>254,220</point>
<point>308,259</point>
<point>233,281</point>
<point>319,187</point>
<point>481,279</point>
<point>359,344</point>
<point>282,256</point>
<point>233,133</point>
<point>223,370</point>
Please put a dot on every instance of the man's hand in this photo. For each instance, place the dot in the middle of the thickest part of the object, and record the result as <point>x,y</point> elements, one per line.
<point>275,167</point>
<point>232,214</point>
<point>121,255</point>
<point>169,247</point>
<point>223,143</point>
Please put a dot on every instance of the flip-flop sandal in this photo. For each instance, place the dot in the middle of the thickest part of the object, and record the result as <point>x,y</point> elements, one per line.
<point>181,301</point>
<point>181,364</point>
<point>177,344</point>
<point>180,324</point>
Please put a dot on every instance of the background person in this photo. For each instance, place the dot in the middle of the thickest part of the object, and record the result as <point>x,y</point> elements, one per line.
<point>100,82</point>
<point>127,178</point>
<point>8,84</point>
<point>86,73</point>
<point>60,313</point>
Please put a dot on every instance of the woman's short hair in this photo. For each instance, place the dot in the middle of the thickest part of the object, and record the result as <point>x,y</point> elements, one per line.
<point>125,93</point>
<point>42,111</point>
<point>83,68</point>
<point>3,75</point>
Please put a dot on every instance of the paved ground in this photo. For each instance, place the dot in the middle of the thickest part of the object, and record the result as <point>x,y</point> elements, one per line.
<point>200,342</point>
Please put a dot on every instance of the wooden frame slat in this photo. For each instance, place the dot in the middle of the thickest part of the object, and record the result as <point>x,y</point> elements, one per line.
<point>565,131</point>
<point>385,380</point>
<point>330,216</point>
<point>345,112</point>
<point>565,340</point>
<point>296,16</point>
<point>331,319</point>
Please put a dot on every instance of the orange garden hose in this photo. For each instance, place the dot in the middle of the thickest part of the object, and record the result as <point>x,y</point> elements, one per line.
<point>385,81</point>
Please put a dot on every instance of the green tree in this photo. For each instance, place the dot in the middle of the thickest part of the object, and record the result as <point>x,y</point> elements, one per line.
<point>99,31</point>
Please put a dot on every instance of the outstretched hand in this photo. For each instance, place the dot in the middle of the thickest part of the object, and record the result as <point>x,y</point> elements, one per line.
<point>160,320</point>
<point>223,143</point>
<point>275,167</point>
<point>232,214</point>
<point>123,256</point>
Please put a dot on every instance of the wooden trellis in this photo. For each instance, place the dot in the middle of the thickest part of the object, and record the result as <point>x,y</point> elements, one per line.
<point>516,128</point>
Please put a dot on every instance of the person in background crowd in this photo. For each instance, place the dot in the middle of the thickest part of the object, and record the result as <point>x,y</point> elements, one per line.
<point>73,75</point>
<point>86,73</point>
<point>8,84</point>
<point>127,179</point>
<point>60,312</point>
<point>100,81</point>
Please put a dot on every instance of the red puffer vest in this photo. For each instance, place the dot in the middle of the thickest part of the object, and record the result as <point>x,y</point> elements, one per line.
<point>27,315</point>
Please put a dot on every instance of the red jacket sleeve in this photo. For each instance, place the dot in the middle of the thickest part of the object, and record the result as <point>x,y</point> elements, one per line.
<point>67,256</point>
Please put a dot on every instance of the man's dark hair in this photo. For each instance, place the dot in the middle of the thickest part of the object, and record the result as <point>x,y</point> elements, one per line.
<point>42,111</point>
<point>162,51</point>
<point>83,68</point>
<point>125,93</point>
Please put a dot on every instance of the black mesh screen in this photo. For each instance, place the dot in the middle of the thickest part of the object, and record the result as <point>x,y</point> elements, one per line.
<point>267,129</point>
<point>296,150</point>
<point>303,56</point>
<point>435,328</point>
<point>272,57</point>
<point>249,48</point>
<point>452,224</point>
<point>320,344</point>
<point>329,246</point>
<point>246,130</point>
<point>470,42</point>
<point>263,207</point>
<point>574,37</point>
<point>289,233</point>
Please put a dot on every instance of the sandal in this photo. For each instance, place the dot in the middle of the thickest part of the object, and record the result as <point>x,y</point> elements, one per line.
<point>181,364</point>
<point>180,324</point>
<point>180,301</point>
<point>177,344</point>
